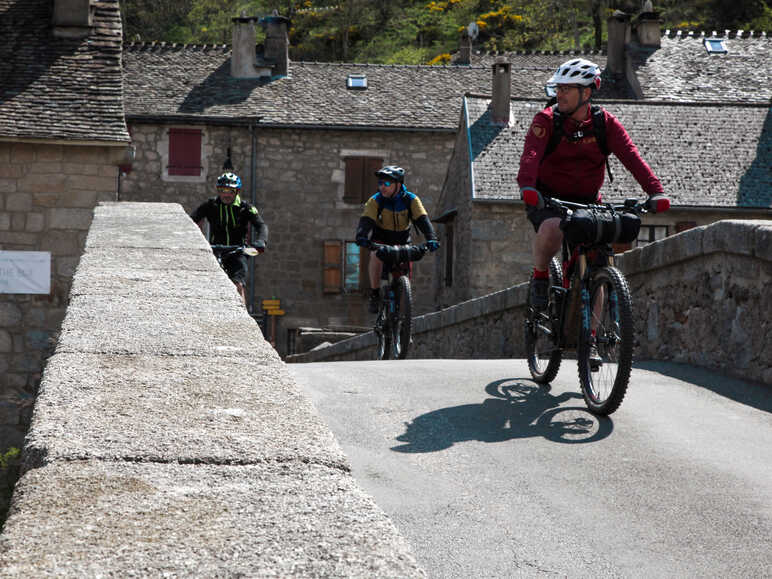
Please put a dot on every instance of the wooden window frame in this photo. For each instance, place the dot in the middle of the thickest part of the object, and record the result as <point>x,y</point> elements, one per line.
<point>335,254</point>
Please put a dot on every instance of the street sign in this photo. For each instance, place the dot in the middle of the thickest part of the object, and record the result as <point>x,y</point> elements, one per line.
<point>268,304</point>
<point>275,312</point>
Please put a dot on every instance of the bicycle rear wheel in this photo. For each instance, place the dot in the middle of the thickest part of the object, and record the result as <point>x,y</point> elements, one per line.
<point>541,335</point>
<point>611,313</point>
<point>401,325</point>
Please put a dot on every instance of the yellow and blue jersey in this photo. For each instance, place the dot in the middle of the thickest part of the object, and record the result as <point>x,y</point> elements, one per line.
<point>389,218</point>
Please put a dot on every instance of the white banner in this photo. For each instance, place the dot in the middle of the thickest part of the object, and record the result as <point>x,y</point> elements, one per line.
<point>25,272</point>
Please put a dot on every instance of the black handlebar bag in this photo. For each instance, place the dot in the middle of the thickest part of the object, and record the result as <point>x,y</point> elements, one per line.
<point>600,226</point>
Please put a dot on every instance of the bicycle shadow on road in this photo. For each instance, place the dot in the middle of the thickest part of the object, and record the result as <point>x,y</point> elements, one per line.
<point>517,409</point>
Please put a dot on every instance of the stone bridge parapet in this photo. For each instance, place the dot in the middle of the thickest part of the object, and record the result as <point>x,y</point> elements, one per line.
<point>701,297</point>
<point>169,439</point>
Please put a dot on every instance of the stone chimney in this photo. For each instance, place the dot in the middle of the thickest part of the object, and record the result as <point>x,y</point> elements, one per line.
<point>618,37</point>
<point>648,27</point>
<point>464,49</point>
<point>277,43</point>
<point>502,89</point>
<point>243,58</point>
<point>72,18</point>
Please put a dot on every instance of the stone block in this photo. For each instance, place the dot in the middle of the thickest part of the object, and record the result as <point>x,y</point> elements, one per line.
<point>34,223</point>
<point>6,342</point>
<point>10,314</point>
<point>8,185</point>
<point>5,221</point>
<point>762,242</point>
<point>731,236</point>
<point>18,221</point>
<point>23,152</point>
<point>18,202</point>
<point>67,218</point>
<point>35,183</point>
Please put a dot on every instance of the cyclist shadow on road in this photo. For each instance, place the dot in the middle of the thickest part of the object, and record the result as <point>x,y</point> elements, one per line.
<point>518,409</point>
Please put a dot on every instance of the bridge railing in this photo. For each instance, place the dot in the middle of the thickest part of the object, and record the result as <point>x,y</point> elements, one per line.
<point>168,438</point>
<point>700,297</point>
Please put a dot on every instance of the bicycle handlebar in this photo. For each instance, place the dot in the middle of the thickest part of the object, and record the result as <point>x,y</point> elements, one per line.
<point>631,205</point>
<point>224,250</point>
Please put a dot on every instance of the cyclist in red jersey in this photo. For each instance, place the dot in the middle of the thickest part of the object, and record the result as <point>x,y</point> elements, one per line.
<point>574,170</point>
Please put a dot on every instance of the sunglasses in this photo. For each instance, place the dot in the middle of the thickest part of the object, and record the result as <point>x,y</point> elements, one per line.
<point>386,183</point>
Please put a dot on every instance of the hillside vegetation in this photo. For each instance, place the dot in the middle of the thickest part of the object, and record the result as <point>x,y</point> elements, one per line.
<point>425,31</point>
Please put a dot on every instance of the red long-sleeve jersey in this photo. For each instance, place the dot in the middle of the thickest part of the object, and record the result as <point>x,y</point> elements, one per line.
<point>576,169</point>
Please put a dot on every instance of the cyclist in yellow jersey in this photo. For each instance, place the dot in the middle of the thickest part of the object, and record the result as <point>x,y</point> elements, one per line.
<point>387,218</point>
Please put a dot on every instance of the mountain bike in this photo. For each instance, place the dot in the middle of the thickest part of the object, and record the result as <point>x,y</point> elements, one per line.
<point>393,324</point>
<point>590,307</point>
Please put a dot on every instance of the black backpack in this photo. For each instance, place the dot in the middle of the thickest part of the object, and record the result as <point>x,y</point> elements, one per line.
<point>598,129</point>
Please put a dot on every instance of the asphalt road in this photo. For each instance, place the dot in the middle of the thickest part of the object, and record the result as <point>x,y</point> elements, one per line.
<point>488,475</point>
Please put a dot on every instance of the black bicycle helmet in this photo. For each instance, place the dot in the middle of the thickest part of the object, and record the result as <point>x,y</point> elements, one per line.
<point>391,172</point>
<point>230,180</point>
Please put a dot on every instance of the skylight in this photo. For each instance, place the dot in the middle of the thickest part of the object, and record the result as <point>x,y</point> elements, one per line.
<point>356,81</point>
<point>715,46</point>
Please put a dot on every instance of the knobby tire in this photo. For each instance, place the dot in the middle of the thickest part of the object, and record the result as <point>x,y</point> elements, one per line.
<point>402,322</point>
<point>542,351</point>
<point>604,388</point>
<point>383,348</point>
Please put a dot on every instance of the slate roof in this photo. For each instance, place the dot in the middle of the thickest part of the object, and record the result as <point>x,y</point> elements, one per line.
<point>194,81</point>
<point>705,155</point>
<point>682,70</point>
<point>60,88</point>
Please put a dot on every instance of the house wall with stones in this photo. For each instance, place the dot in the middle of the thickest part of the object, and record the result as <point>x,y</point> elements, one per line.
<point>300,185</point>
<point>47,197</point>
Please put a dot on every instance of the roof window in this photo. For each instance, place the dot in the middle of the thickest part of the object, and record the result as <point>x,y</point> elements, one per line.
<point>715,45</point>
<point>356,82</point>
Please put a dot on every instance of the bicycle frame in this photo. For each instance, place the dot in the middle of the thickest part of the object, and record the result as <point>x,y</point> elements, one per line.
<point>589,310</point>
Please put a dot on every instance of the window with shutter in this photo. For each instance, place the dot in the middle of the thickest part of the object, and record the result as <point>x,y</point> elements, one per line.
<point>361,182</point>
<point>345,267</point>
<point>333,267</point>
<point>185,152</point>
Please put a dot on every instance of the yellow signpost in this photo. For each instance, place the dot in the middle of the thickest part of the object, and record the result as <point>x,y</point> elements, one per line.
<point>273,308</point>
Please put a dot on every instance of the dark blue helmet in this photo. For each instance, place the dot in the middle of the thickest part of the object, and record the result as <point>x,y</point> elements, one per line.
<point>230,180</point>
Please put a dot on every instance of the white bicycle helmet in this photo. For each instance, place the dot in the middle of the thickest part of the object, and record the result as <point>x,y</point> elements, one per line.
<point>575,71</point>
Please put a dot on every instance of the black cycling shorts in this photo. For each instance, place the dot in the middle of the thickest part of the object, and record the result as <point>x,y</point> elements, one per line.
<point>235,266</point>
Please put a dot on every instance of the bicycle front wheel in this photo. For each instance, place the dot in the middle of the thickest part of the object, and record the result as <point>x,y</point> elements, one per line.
<point>383,332</point>
<point>401,325</point>
<point>606,359</point>
<point>541,339</point>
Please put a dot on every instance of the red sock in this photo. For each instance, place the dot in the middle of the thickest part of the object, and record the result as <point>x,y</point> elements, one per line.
<point>540,274</point>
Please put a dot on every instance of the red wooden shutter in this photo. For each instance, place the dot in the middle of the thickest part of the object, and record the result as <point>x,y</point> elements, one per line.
<point>185,152</point>
<point>333,266</point>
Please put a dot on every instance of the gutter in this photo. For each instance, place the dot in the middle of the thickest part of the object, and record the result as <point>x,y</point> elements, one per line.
<point>248,121</point>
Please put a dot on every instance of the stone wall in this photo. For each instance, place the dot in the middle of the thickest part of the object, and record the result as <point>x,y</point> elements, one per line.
<point>699,297</point>
<point>299,181</point>
<point>47,196</point>
<point>169,439</point>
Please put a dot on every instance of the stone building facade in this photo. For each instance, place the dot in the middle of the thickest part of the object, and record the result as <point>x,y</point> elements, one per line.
<point>47,197</point>
<point>62,138</point>
<point>299,185</point>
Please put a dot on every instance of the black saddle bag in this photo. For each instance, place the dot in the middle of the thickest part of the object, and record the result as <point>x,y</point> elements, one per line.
<point>600,226</point>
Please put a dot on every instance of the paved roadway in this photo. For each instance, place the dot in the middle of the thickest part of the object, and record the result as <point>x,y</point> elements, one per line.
<point>488,475</point>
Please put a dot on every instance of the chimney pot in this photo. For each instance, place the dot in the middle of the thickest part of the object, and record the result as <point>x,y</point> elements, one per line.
<point>502,90</point>
<point>618,37</point>
<point>277,43</point>
<point>465,49</point>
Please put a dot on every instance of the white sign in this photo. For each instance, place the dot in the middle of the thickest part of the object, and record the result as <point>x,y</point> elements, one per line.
<point>25,272</point>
